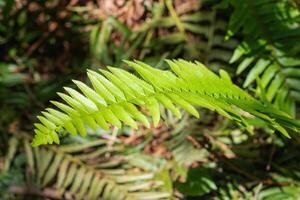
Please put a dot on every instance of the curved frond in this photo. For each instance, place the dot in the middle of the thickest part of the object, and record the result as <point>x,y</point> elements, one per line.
<point>117,96</point>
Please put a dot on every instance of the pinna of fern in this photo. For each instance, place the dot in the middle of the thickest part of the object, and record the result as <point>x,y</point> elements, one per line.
<point>117,95</point>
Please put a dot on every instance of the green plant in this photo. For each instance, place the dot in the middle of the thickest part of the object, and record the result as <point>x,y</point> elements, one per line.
<point>269,50</point>
<point>45,45</point>
<point>201,37</point>
<point>90,169</point>
<point>115,99</point>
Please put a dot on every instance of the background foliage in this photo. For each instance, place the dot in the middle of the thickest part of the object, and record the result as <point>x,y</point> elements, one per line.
<point>46,44</point>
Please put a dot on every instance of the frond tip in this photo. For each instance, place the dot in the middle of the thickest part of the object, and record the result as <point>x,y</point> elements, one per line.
<point>116,96</point>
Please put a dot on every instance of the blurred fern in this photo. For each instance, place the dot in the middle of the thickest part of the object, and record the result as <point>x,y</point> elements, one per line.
<point>270,49</point>
<point>195,35</point>
<point>90,170</point>
<point>204,161</point>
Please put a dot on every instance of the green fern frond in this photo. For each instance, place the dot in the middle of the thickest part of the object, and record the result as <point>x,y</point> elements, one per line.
<point>270,48</point>
<point>117,95</point>
<point>266,22</point>
<point>82,171</point>
<point>211,28</point>
<point>279,79</point>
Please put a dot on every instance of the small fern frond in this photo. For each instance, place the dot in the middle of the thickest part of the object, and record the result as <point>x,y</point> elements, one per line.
<point>82,170</point>
<point>266,22</point>
<point>117,95</point>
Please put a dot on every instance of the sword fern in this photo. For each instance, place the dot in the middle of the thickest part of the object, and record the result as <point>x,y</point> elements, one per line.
<point>117,95</point>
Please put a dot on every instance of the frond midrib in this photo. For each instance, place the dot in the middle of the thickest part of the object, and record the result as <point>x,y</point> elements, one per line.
<point>132,100</point>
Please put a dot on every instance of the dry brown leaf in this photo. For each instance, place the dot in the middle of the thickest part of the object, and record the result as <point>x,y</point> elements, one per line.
<point>186,6</point>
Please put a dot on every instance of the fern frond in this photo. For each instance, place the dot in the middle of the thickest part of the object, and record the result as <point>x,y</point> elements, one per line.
<point>270,48</point>
<point>266,22</point>
<point>212,49</point>
<point>82,171</point>
<point>117,95</point>
<point>279,79</point>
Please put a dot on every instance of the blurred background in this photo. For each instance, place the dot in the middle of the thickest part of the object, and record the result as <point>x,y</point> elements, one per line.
<point>46,44</point>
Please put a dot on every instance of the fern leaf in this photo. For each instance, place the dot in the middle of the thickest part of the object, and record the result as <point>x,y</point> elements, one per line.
<point>279,80</point>
<point>188,84</point>
<point>70,169</point>
<point>270,48</point>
